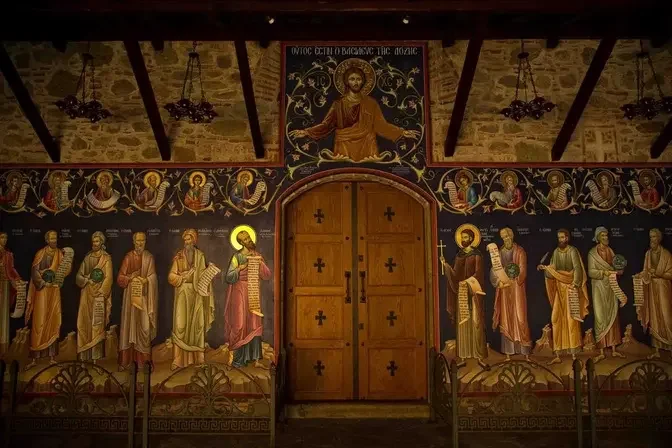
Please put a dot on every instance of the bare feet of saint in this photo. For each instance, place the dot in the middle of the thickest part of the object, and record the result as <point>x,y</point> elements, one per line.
<point>482,364</point>
<point>599,358</point>
<point>616,354</point>
<point>52,361</point>
<point>555,360</point>
<point>527,358</point>
<point>259,365</point>
<point>655,355</point>
<point>32,364</point>
<point>508,358</point>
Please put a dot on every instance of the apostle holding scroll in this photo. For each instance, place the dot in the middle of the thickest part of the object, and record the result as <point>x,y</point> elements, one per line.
<point>567,292</point>
<point>464,292</point>
<point>242,312</point>
<point>193,312</point>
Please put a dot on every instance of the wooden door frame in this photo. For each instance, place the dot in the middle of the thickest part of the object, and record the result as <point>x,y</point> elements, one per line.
<point>429,207</point>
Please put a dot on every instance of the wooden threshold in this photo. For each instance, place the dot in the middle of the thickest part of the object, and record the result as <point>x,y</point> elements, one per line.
<point>357,410</point>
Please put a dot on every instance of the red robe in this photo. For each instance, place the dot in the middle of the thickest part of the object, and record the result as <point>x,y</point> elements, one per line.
<point>510,312</point>
<point>8,272</point>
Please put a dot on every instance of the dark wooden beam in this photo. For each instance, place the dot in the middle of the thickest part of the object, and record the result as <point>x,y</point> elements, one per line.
<point>158,45</point>
<point>463,89</point>
<point>147,93</point>
<point>581,100</point>
<point>552,43</point>
<point>248,94</point>
<point>662,141</point>
<point>60,45</point>
<point>28,106</point>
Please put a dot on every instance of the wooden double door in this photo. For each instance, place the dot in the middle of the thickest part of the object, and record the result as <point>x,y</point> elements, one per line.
<point>355,313</point>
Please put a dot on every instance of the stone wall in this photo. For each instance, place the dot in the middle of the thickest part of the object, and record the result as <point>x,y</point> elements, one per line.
<point>603,135</point>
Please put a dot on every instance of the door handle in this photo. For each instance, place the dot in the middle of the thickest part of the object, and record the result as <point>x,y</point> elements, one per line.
<point>348,298</point>
<point>362,275</point>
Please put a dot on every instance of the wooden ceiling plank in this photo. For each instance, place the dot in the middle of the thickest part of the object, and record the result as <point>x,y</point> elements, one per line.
<point>137,61</point>
<point>662,141</point>
<point>462,96</point>
<point>248,94</point>
<point>28,106</point>
<point>583,96</point>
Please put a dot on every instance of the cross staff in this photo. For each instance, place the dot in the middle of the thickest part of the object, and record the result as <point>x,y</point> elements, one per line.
<point>441,246</point>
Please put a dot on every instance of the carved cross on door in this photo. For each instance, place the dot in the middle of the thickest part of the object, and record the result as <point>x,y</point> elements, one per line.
<point>390,265</point>
<point>320,317</point>
<point>319,216</point>
<point>392,368</point>
<point>319,367</point>
<point>391,318</point>
<point>319,265</point>
<point>389,213</point>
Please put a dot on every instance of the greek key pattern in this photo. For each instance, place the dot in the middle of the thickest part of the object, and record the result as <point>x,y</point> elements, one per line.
<point>209,425</point>
<point>28,425</point>
<point>517,422</point>
<point>612,422</point>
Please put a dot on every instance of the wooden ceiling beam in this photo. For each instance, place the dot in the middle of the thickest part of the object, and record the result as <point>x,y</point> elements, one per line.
<point>28,106</point>
<point>463,89</point>
<point>147,93</point>
<point>158,45</point>
<point>662,141</point>
<point>583,96</point>
<point>248,94</point>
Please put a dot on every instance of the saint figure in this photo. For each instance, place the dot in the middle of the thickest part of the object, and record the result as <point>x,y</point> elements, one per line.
<point>468,264</point>
<point>511,196</point>
<point>54,200</point>
<point>355,118</point>
<point>242,328</point>
<point>8,280</point>
<point>605,303</point>
<point>649,195</point>
<point>193,198</point>
<point>139,313</point>
<point>466,193</point>
<point>557,198</point>
<point>44,301</point>
<point>95,302</point>
<point>565,275</point>
<point>655,313</point>
<point>193,313</point>
<point>607,191</point>
<point>13,190</point>
<point>147,197</point>
<point>240,191</point>
<point>510,313</point>
<point>104,190</point>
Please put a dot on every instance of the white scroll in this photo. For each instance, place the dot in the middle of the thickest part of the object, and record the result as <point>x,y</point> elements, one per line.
<point>638,287</point>
<point>596,194</point>
<point>64,266</point>
<point>574,305</point>
<point>463,297</point>
<point>204,282</point>
<point>258,191</point>
<point>98,318</point>
<point>102,205</point>
<point>636,193</point>
<point>452,193</point>
<point>22,196</point>
<point>63,199</point>
<point>137,293</point>
<point>160,196</point>
<point>253,293</point>
<point>497,263</point>
<point>205,198</point>
<point>561,198</point>
<point>20,299</point>
<point>618,292</point>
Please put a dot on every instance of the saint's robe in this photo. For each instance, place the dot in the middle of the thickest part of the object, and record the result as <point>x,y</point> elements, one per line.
<point>44,304</point>
<point>193,313</point>
<point>91,332</point>
<point>510,312</point>
<point>356,125</point>
<point>470,334</point>
<point>565,269</point>
<point>138,325</point>
<point>193,198</point>
<point>8,277</point>
<point>605,303</point>
<point>242,329</point>
<point>656,312</point>
<point>650,197</point>
<point>147,197</point>
<point>557,199</point>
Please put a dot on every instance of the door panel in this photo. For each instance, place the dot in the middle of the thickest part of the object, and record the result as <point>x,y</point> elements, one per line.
<point>319,319</point>
<point>392,359</point>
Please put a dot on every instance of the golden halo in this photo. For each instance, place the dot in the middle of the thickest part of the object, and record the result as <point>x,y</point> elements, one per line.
<point>53,174</point>
<point>146,177</point>
<point>104,173</point>
<point>369,74</point>
<point>473,228</point>
<point>464,173</point>
<point>11,175</point>
<point>242,228</point>
<point>249,175</point>
<point>506,174</point>
<point>651,174</point>
<point>606,173</point>
<point>558,173</point>
<point>194,174</point>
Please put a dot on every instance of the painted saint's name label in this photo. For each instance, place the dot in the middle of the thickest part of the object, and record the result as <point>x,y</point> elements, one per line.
<point>82,230</point>
<point>17,232</point>
<point>638,229</point>
<point>616,232</point>
<point>576,233</point>
<point>174,230</point>
<point>35,231</point>
<point>523,230</point>
<point>222,233</point>
<point>125,230</point>
<point>154,232</point>
<point>545,229</point>
<point>112,233</point>
<point>354,51</point>
<point>445,230</point>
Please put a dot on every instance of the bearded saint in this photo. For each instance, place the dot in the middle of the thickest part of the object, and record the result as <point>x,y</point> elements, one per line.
<point>8,279</point>
<point>471,333</point>
<point>138,320</point>
<point>96,291</point>
<point>44,301</point>
<point>564,273</point>
<point>655,314</point>
<point>242,328</point>
<point>357,120</point>
<point>193,313</point>
<point>510,313</point>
